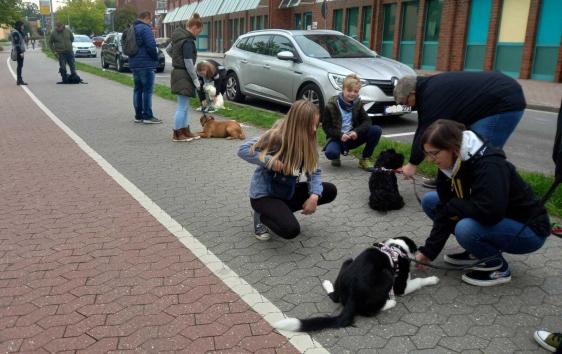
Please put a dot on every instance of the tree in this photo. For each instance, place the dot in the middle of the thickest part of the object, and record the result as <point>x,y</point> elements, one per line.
<point>83,16</point>
<point>30,11</point>
<point>110,4</point>
<point>10,12</point>
<point>124,17</point>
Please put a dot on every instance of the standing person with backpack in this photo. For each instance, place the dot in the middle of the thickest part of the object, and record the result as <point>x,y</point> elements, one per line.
<point>138,43</point>
<point>184,81</point>
<point>18,45</point>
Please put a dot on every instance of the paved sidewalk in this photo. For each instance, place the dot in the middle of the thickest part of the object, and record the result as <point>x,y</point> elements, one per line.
<point>83,267</point>
<point>202,185</point>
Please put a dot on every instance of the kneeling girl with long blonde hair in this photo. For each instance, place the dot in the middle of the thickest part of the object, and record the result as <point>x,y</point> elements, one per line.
<point>282,154</point>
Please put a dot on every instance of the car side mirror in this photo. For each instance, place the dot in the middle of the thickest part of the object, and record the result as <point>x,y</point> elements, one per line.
<point>286,55</point>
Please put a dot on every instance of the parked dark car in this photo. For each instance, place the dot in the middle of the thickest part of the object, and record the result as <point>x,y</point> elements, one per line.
<point>112,54</point>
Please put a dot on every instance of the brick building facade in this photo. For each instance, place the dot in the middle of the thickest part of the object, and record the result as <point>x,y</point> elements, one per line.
<point>521,38</point>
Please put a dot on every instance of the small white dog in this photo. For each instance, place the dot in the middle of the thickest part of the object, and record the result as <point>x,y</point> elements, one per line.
<point>217,101</point>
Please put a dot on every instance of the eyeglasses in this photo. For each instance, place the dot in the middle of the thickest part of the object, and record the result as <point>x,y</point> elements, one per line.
<point>432,154</point>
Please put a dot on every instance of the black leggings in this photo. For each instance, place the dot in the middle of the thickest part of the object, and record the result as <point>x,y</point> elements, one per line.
<point>19,67</point>
<point>277,214</point>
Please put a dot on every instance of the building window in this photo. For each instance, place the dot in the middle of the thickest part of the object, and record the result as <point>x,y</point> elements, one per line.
<point>218,37</point>
<point>431,34</point>
<point>337,20</point>
<point>203,38</point>
<point>389,21</point>
<point>252,23</point>
<point>242,26</point>
<point>511,38</point>
<point>351,22</point>
<point>307,20</point>
<point>366,25</point>
<point>258,24</point>
<point>408,35</point>
<point>298,21</point>
<point>266,22</point>
<point>548,40</point>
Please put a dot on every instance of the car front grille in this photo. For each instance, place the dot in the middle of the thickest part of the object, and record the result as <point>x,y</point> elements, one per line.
<point>386,86</point>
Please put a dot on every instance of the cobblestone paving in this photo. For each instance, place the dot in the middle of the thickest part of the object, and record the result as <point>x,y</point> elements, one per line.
<point>203,186</point>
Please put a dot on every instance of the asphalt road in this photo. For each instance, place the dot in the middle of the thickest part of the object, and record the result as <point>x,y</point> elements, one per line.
<point>529,148</point>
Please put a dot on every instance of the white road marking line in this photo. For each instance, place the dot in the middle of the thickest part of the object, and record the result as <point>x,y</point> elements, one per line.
<point>398,134</point>
<point>301,341</point>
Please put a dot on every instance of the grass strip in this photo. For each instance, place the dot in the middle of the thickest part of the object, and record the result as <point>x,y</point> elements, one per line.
<point>265,119</point>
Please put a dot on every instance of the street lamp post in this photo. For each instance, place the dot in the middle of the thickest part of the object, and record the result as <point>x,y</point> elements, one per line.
<point>52,14</point>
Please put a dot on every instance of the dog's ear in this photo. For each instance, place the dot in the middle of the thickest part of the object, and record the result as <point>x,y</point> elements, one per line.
<point>409,242</point>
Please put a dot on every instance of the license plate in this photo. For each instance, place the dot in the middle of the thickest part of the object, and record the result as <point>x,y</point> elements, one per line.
<point>398,108</point>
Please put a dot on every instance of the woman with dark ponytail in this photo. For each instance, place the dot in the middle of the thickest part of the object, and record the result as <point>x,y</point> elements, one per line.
<point>18,44</point>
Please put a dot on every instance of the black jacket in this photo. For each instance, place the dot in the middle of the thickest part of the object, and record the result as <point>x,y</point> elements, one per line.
<point>332,119</point>
<point>465,97</point>
<point>219,80</point>
<point>486,188</point>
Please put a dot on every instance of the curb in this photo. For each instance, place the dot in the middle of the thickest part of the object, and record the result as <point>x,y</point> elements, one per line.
<point>543,108</point>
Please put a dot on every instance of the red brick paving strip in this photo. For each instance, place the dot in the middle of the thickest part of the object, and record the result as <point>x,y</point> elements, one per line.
<point>83,267</point>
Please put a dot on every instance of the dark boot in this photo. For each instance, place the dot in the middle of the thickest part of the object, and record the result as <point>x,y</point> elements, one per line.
<point>189,134</point>
<point>178,135</point>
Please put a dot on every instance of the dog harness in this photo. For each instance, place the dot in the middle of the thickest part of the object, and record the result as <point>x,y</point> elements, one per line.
<point>394,253</point>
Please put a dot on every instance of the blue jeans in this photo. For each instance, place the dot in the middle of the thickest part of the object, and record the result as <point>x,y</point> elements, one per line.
<point>182,117</point>
<point>66,58</point>
<point>142,93</point>
<point>496,129</point>
<point>488,240</point>
<point>335,148</point>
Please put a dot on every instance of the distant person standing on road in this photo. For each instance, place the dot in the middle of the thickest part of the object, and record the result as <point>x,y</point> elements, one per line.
<point>33,43</point>
<point>489,103</point>
<point>184,81</point>
<point>60,43</point>
<point>18,43</point>
<point>143,65</point>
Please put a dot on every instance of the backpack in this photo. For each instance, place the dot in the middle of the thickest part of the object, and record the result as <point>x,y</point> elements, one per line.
<point>129,41</point>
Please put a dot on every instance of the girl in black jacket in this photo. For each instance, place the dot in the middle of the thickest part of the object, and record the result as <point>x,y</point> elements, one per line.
<point>211,71</point>
<point>482,200</point>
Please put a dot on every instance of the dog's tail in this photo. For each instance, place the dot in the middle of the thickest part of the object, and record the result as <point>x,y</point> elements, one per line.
<point>344,319</point>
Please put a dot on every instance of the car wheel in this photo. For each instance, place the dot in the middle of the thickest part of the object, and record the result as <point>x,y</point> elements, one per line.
<point>94,55</point>
<point>233,92</point>
<point>119,65</point>
<point>103,63</point>
<point>312,93</point>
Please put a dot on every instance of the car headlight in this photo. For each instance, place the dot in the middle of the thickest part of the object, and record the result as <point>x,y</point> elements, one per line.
<point>337,81</point>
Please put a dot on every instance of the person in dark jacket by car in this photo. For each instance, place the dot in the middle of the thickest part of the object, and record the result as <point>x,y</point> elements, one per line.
<point>184,81</point>
<point>347,125</point>
<point>489,103</point>
<point>18,43</point>
<point>143,65</point>
<point>482,200</point>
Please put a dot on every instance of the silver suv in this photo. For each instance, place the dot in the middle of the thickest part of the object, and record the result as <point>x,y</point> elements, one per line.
<point>283,66</point>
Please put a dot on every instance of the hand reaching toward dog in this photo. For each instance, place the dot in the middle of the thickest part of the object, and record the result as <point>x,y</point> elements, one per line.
<point>408,170</point>
<point>420,257</point>
<point>309,206</point>
<point>204,103</point>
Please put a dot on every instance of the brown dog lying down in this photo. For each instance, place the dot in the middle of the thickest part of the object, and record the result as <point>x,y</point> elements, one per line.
<point>212,128</point>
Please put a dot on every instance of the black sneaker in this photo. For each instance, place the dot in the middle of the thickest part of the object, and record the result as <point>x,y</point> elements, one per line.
<point>260,230</point>
<point>430,183</point>
<point>460,259</point>
<point>152,120</point>
<point>487,278</point>
<point>138,119</point>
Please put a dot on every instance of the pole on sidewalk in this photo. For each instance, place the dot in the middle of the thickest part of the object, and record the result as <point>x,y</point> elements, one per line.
<point>52,15</point>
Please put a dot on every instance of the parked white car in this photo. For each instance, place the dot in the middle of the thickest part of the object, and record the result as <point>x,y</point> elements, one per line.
<point>83,46</point>
<point>283,66</point>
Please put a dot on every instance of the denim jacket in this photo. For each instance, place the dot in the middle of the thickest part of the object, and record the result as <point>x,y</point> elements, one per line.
<point>260,185</point>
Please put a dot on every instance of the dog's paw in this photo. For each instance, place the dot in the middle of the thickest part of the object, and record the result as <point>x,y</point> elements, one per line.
<point>431,280</point>
<point>327,285</point>
<point>389,304</point>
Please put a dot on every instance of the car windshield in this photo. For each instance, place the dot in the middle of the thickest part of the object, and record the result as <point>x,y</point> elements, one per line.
<point>326,46</point>
<point>81,39</point>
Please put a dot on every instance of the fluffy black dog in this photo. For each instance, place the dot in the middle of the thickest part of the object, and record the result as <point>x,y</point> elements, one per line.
<point>70,79</point>
<point>366,285</point>
<point>383,184</point>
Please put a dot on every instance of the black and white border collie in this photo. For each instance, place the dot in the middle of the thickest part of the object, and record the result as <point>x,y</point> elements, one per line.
<point>366,285</point>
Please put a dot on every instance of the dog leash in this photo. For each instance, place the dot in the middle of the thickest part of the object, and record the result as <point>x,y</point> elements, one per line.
<point>472,265</point>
